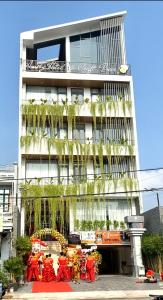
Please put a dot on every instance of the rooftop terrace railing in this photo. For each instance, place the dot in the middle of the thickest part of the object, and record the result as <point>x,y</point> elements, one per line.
<point>75,67</point>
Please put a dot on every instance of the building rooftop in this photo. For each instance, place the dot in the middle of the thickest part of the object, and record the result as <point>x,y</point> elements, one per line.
<point>61,30</point>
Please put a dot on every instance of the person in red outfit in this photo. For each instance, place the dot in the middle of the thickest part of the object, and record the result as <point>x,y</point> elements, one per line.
<point>48,273</point>
<point>33,268</point>
<point>150,274</point>
<point>90,268</point>
<point>28,266</point>
<point>63,272</point>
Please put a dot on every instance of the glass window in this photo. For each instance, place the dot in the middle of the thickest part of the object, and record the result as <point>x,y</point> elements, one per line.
<point>45,169</point>
<point>4,199</point>
<point>40,92</point>
<point>62,94</point>
<point>97,95</point>
<point>7,191</point>
<point>101,134</point>
<point>63,131</point>
<point>97,169</point>
<point>106,168</point>
<point>1,199</point>
<point>77,95</point>
<point>63,173</point>
<point>78,133</point>
<point>79,173</point>
<point>84,47</point>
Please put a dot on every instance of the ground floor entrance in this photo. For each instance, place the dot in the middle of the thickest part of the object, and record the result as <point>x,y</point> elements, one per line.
<point>115,260</point>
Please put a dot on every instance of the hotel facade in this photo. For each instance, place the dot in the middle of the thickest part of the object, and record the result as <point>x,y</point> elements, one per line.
<point>78,152</point>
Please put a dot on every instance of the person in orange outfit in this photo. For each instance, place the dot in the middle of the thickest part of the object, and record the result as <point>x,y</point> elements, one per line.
<point>33,268</point>
<point>90,267</point>
<point>63,273</point>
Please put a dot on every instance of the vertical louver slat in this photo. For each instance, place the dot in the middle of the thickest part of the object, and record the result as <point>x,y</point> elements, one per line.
<point>112,47</point>
<point>115,90</point>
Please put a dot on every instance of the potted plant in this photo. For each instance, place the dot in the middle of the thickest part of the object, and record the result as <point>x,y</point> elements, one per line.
<point>86,100</point>
<point>89,225</point>
<point>102,224</point>
<point>77,224</point>
<point>83,225</point>
<point>15,267</point>
<point>108,224</point>
<point>122,225</point>
<point>96,224</point>
<point>31,101</point>
<point>43,101</point>
<point>76,101</point>
<point>115,224</point>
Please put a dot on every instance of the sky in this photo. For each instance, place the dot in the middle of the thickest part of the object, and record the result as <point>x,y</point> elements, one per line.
<point>144,44</point>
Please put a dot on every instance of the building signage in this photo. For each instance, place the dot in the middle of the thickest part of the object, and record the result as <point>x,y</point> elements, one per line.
<point>108,237</point>
<point>101,237</point>
<point>88,236</point>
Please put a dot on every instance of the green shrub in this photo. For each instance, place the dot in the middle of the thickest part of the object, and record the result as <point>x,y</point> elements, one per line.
<point>15,267</point>
<point>4,278</point>
<point>22,245</point>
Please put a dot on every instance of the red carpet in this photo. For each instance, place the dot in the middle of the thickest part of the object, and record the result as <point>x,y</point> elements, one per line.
<point>51,287</point>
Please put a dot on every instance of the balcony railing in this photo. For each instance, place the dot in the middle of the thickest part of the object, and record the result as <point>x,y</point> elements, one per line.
<point>71,67</point>
<point>83,178</point>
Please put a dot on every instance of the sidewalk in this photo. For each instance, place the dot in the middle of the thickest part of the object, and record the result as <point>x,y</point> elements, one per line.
<point>106,287</point>
<point>96,295</point>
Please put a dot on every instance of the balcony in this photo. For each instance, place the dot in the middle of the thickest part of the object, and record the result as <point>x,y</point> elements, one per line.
<point>54,66</point>
<point>7,220</point>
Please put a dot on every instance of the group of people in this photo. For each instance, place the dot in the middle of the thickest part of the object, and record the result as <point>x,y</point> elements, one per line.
<point>40,267</point>
<point>74,266</point>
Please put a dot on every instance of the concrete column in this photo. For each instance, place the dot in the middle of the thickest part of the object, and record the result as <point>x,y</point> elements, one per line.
<point>22,221</point>
<point>135,235</point>
<point>67,53</point>
<point>135,232</point>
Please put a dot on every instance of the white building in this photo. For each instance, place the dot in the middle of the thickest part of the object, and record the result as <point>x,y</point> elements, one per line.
<point>78,142</point>
<point>8,195</point>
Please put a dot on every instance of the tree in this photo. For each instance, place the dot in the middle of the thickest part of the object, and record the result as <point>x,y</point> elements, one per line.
<point>152,246</point>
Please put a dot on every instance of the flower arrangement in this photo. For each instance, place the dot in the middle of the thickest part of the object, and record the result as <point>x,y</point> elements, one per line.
<point>54,233</point>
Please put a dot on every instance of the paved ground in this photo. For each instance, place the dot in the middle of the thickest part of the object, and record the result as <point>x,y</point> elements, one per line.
<point>106,287</point>
<point>107,283</point>
<point>114,283</point>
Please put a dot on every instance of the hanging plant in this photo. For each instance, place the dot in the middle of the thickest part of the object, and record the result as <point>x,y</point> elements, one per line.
<point>43,115</point>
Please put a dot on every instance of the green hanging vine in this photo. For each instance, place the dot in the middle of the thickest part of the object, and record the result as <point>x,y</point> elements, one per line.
<point>38,116</point>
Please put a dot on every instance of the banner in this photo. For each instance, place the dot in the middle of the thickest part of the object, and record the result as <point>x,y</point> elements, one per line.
<point>108,237</point>
<point>88,236</point>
